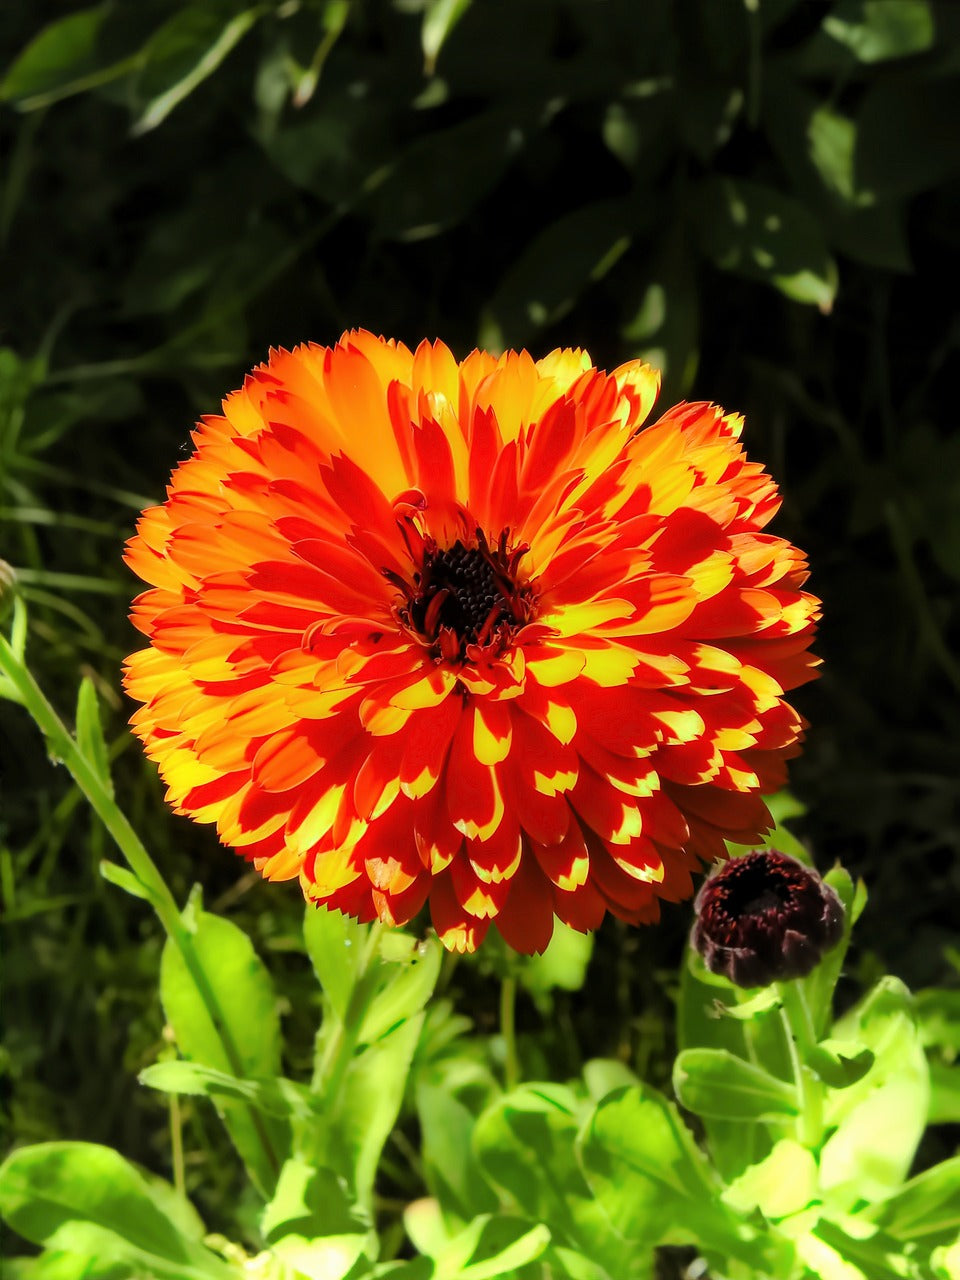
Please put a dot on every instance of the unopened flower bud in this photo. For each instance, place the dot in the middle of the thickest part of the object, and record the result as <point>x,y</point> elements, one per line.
<point>765,918</point>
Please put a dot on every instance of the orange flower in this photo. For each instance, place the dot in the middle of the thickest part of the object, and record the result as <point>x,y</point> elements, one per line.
<point>461,632</point>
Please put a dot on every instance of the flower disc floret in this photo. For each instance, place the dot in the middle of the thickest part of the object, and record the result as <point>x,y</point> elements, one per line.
<point>463,633</point>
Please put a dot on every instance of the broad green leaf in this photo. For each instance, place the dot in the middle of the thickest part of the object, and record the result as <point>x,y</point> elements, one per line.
<point>250,1025</point>
<point>90,737</point>
<point>944,1094</point>
<point>187,49</point>
<point>754,231</point>
<point>938,1017</point>
<point>310,1201</point>
<point>563,964</point>
<point>650,1180</point>
<point>714,1082</point>
<point>439,19</point>
<point>604,1075</point>
<point>783,1183</point>
<point>879,1119</point>
<point>554,269</point>
<point>450,1166</point>
<point>524,1144</point>
<point>928,1205</point>
<point>832,137</point>
<point>327,1258</point>
<point>504,1246</point>
<point>65,58</point>
<point>443,175</point>
<point>365,1111</point>
<point>80,1196</point>
<point>875,30</point>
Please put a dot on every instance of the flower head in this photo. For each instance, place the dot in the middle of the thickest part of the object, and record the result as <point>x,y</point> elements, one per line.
<point>765,918</point>
<point>463,632</point>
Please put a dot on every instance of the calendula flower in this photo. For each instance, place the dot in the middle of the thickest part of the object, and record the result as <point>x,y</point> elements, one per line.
<point>765,918</point>
<point>422,630</point>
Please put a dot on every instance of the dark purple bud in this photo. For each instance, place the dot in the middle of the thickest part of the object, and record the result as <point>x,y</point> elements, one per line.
<point>765,918</point>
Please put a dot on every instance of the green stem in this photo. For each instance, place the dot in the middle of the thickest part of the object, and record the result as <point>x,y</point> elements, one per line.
<point>508,1029</point>
<point>801,1038</point>
<point>63,747</point>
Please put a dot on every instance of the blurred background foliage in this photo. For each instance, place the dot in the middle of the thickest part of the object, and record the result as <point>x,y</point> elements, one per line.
<point>761,196</point>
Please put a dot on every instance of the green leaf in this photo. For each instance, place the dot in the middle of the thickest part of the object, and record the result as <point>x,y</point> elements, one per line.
<point>275,1096</point>
<point>663,313</point>
<point>88,1199</point>
<point>410,980</point>
<point>879,1119</point>
<point>650,1180</point>
<point>838,1063</point>
<point>450,1166</point>
<point>369,1101</point>
<point>604,1075</point>
<point>182,54</point>
<point>554,269</point>
<point>754,231</point>
<point>944,1094</point>
<point>928,1205</point>
<point>333,1257</point>
<point>435,183</point>
<point>439,19</point>
<point>563,964</point>
<point>335,944</point>
<point>713,1082</point>
<point>124,879</point>
<point>310,1201</point>
<point>90,737</point>
<point>65,58</point>
<point>251,1025</point>
<point>875,30</point>
<point>783,1183</point>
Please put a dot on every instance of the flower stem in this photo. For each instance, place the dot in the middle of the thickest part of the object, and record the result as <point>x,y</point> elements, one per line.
<point>508,1029</point>
<point>63,747</point>
<point>801,1039</point>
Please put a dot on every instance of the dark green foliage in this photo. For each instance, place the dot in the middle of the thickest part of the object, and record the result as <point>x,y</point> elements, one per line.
<point>763,198</point>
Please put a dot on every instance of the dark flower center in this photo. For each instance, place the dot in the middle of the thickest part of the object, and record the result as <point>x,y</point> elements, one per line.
<point>468,596</point>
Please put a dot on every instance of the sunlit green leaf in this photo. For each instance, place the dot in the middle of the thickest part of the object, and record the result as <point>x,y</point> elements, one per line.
<point>87,1198</point>
<point>439,19</point>
<point>65,58</point>
<point>878,29</point>
<point>713,1082</point>
<point>182,54</point>
<point>250,1025</point>
<point>756,232</point>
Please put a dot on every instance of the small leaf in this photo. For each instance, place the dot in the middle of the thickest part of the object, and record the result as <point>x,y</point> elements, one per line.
<point>944,1105</point>
<point>275,1096</point>
<point>410,983</point>
<point>335,944</point>
<point>713,1082</point>
<point>875,30</point>
<point>439,19</point>
<point>838,1063</point>
<point>65,58</point>
<point>756,232</point>
<point>182,54</point>
<point>90,737</point>
<point>124,879</point>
